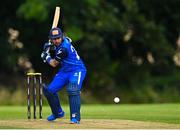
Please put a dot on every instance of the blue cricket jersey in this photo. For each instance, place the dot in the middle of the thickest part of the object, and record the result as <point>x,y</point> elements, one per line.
<point>72,61</point>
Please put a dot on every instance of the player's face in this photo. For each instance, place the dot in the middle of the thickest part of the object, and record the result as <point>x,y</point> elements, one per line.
<point>57,41</point>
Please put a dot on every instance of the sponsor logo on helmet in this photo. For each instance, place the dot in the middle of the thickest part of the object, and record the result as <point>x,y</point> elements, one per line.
<point>55,32</point>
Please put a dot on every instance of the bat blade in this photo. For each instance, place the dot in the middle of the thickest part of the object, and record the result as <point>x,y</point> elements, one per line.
<point>56,17</point>
<point>55,21</point>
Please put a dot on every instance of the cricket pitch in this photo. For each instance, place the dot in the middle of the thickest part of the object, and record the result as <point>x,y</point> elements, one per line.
<point>85,124</point>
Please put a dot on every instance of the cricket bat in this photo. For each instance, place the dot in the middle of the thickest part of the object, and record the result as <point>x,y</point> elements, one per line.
<point>55,21</point>
<point>56,17</point>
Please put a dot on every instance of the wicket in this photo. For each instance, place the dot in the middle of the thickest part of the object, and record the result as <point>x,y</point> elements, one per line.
<point>32,83</point>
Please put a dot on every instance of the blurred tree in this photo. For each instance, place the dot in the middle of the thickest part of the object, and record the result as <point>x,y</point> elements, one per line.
<point>129,46</point>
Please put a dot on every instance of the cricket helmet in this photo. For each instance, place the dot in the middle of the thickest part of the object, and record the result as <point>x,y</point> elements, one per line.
<point>55,33</point>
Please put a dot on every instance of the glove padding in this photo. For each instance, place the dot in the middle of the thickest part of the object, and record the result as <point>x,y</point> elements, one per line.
<point>48,46</point>
<point>44,56</point>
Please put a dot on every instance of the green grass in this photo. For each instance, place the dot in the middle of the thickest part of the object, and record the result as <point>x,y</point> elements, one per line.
<point>167,113</point>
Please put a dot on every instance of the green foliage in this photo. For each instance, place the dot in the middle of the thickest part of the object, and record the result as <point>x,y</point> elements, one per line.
<point>12,98</point>
<point>128,46</point>
<point>71,30</point>
<point>93,3</point>
<point>34,9</point>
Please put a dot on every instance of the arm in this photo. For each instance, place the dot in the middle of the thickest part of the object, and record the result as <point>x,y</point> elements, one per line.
<point>61,54</point>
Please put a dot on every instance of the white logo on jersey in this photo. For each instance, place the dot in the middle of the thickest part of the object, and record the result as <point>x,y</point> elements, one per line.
<point>73,50</point>
<point>59,51</point>
<point>75,74</point>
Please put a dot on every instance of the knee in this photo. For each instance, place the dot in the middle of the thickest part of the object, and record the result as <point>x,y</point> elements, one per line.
<point>48,88</point>
<point>73,89</point>
<point>47,91</point>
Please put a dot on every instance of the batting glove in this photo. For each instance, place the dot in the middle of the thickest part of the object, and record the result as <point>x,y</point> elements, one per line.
<point>48,46</point>
<point>45,56</point>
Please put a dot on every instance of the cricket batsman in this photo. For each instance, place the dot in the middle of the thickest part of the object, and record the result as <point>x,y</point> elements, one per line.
<point>71,74</point>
